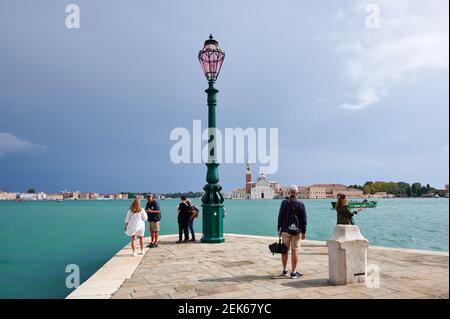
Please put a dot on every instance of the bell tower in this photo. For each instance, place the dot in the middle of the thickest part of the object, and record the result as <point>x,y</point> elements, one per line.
<point>248,179</point>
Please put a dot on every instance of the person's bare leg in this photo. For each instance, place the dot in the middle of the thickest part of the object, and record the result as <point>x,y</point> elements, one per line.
<point>133,243</point>
<point>284,260</point>
<point>294,259</point>
<point>156,237</point>
<point>141,242</point>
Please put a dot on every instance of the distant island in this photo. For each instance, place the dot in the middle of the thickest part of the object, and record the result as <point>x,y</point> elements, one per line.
<point>189,194</point>
<point>370,189</point>
<point>33,194</point>
<point>402,189</point>
<point>266,188</point>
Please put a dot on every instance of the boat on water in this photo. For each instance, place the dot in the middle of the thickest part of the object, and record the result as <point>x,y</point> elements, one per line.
<point>363,204</point>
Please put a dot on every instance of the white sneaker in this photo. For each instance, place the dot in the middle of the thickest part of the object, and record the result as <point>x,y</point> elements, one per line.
<point>141,253</point>
<point>134,254</point>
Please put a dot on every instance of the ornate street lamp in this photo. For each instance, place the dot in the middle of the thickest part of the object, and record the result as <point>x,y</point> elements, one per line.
<point>211,58</point>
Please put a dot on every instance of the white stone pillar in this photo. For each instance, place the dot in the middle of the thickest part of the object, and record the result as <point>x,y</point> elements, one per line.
<point>347,255</point>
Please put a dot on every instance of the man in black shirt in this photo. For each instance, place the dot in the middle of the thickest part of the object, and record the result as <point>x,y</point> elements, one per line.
<point>154,216</point>
<point>183,220</point>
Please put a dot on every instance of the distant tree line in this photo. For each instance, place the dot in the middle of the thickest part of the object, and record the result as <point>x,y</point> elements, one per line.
<point>400,189</point>
<point>188,195</point>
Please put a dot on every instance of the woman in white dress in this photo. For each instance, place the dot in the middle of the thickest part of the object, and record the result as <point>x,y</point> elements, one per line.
<point>135,225</point>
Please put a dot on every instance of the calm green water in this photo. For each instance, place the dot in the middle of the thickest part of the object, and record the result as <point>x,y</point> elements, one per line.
<point>39,239</point>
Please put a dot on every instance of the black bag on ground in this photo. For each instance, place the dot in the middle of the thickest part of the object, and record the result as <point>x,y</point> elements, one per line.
<point>278,248</point>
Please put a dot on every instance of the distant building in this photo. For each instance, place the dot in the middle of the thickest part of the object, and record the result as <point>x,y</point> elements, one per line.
<point>32,196</point>
<point>263,188</point>
<point>94,195</point>
<point>239,193</point>
<point>312,192</point>
<point>303,192</point>
<point>41,196</point>
<point>157,196</point>
<point>75,195</point>
<point>83,196</point>
<point>71,195</point>
<point>27,196</point>
<point>276,187</point>
<point>227,195</point>
<point>8,196</point>
<point>55,197</point>
<point>333,190</point>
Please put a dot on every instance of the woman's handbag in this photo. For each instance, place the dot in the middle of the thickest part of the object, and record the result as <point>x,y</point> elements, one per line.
<point>278,248</point>
<point>195,212</point>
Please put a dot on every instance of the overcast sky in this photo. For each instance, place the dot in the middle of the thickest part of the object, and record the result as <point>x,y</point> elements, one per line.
<point>92,109</point>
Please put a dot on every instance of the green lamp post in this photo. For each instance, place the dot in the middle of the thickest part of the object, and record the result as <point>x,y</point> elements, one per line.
<point>211,58</point>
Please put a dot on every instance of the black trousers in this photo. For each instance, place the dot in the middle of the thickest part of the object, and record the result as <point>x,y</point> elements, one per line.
<point>183,227</point>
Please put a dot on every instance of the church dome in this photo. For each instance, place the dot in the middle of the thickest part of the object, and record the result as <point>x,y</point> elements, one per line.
<point>262,177</point>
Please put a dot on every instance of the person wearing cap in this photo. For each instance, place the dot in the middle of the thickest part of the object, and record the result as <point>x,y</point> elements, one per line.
<point>292,221</point>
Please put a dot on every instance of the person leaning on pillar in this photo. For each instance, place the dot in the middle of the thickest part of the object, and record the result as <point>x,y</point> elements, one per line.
<point>344,213</point>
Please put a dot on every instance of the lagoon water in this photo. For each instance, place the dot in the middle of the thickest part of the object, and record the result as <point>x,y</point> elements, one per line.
<point>39,239</point>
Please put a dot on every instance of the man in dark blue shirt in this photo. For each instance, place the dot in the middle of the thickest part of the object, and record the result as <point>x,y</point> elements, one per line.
<point>154,216</point>
<point>292,223</point>
<point>183,220</point>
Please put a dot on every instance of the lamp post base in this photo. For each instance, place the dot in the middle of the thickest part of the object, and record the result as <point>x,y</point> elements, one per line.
<point>212,205</point>
<point>213,240</point>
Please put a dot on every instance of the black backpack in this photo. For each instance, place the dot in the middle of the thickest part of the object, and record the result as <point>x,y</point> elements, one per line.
<point>293,223</point>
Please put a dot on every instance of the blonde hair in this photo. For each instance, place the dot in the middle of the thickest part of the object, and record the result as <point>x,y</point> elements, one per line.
<point>136,206</point>
<point>342,201</point>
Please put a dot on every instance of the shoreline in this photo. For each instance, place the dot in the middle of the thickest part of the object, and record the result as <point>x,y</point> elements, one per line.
<point>109,278</point>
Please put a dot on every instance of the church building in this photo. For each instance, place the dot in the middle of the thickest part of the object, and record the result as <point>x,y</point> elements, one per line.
<point>262,188</point>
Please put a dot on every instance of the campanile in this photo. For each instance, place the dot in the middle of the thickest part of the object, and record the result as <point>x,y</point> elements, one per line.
<point>248,179</point>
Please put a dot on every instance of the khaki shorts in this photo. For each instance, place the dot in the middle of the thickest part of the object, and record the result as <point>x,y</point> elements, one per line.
<point>291,242</point>
<point>154,226</point>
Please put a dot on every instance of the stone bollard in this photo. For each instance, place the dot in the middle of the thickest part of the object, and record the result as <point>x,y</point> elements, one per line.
<point>347,255</point>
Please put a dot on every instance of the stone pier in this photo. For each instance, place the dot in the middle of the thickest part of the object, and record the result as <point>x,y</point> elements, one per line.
<point>243,267</point>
